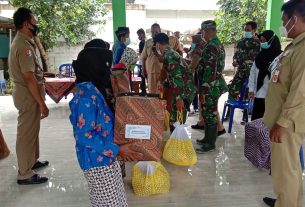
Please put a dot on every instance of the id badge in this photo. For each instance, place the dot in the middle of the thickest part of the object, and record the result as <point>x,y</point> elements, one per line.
<point>275,77</point>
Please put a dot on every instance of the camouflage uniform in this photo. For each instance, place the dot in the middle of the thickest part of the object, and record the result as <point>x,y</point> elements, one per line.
<point>211,81</point>
<point>247,50</point>
<point>180,79</point>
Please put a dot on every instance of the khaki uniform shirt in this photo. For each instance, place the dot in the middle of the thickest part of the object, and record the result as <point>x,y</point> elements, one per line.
<point>285,100</point>
<point>152,63</point>
<point>23,58</point>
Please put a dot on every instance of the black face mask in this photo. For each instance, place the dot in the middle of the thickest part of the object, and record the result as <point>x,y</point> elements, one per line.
<point>35,29</point>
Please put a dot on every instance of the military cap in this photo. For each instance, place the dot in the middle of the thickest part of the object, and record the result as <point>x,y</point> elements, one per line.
<point>209,24</point>
<point>161,38</point>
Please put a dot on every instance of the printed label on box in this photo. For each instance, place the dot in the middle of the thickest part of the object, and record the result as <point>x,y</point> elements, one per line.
<point>137,131</point>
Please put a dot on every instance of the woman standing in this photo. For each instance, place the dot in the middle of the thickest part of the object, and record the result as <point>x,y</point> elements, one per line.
<point>93,128</point>
<point>260,74</point>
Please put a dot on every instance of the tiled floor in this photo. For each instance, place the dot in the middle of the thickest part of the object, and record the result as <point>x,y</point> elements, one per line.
<point>194,186</point>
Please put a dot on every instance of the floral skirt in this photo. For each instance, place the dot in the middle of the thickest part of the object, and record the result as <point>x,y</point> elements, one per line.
<point>106,187</point>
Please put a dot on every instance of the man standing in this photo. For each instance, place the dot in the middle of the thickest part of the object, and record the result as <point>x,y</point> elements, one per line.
<point>246,50</point>
<point>179,76</point>
<point>28,95</point>
<point>285,110</point>
<point>151,66</point>
<point>123,37</point>
<point>211,83</point>
<point>142,38</point>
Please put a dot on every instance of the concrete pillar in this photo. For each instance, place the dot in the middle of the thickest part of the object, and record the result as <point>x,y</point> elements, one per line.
<point>274,20</point>
<point>118,15</point>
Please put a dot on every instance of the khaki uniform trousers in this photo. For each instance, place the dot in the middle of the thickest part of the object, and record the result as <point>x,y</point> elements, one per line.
<point>27,144</point>
<point>152,79</point>
<point>286,169</point>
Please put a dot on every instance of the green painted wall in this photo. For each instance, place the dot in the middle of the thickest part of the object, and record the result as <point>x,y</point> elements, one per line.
<point>119,15</point>
<point>274,16</point>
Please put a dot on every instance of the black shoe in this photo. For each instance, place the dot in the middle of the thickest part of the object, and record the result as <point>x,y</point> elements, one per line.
<point>35,179</point>
<point>205,148</point>
<point>269,201</point>
<point>201,141</point>
<point>40,164</point>
<point>222,132</point>
<point>197,126</point>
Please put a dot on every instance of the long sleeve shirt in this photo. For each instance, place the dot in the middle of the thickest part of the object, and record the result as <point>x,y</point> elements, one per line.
<point>262,92</point>
<point>93,124</point>
<point>285,100</point>
<point>210,69</point>
<point>118,52</point>
<point>179,75</point>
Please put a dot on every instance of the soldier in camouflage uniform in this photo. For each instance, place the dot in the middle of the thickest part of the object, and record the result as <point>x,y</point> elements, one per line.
<point>246,50</point>
<point>211,83</point>
<point>178,74</point>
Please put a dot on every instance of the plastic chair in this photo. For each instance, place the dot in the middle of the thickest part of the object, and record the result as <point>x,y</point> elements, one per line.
<point>2,86</point>
<point>66,70</point>
<point>302,157</point>
<point>237,104</point>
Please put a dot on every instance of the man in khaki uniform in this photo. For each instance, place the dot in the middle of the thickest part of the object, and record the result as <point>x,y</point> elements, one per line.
<point>285,110</point>
<point>151,65</point>
<point>28,95</point>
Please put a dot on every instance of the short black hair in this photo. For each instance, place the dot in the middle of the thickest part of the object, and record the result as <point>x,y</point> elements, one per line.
<point>20,16</point>
<point>161,38</point>
<point>253,24</point>
<point>294,7</point>
<point>156,25</point>
<point>141,31</point>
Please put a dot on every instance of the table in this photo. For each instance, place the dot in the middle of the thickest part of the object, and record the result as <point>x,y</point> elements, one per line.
<point>57,88</point>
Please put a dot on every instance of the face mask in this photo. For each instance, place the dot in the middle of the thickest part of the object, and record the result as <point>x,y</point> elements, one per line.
<point>127,41</point>
<point>158,51</point>
<point>283,30</point>
<point>248,35</point>
<point>193,45</point>
<point>35,29</point>
<point>202,37</point>
<point>265,45</point>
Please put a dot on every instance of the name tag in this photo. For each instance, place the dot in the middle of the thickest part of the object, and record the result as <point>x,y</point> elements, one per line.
<point>137,131</point>
<point>275,77</point>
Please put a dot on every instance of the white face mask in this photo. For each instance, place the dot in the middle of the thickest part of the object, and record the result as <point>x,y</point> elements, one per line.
<point>283,29</point>
<point>158,51</point>
<point>202,36</point>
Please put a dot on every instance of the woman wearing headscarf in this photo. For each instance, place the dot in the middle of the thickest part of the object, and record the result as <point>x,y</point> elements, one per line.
<point>260,74</point>
<point>93,127</point>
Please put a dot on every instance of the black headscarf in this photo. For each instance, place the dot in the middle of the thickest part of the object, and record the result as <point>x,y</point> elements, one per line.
<point>93,65</point>
<point>266,56</point>
<point>98,43</point>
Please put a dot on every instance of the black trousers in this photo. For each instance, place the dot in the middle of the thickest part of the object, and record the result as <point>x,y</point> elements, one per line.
<point>258,108</point>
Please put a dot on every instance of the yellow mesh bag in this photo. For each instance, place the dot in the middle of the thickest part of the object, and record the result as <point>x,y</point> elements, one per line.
<point>179,148</point>
<point>149,178</point>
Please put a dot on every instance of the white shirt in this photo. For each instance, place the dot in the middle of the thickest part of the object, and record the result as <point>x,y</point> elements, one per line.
<point>262,92</point>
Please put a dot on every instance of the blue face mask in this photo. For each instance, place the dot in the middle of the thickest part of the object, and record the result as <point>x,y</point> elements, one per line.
<point>193,45</point>
<point>265,45</point>
<point>248,35</point>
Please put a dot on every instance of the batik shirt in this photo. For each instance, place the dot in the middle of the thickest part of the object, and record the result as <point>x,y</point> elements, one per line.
<point>210,68</point>
<point>93,124</point>
<point>179,75</point>
<point>246,51</point>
